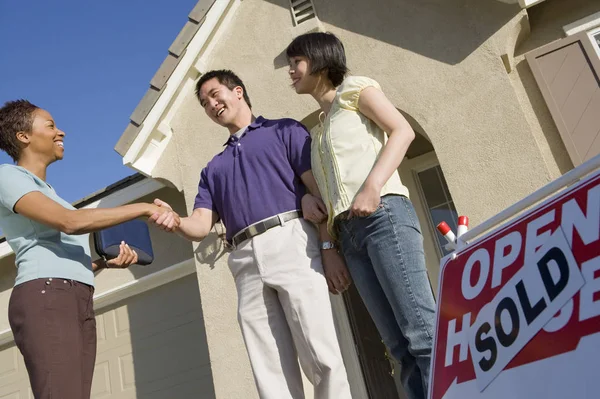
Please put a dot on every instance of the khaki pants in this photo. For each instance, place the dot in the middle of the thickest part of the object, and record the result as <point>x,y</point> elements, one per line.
<point>285,314</point>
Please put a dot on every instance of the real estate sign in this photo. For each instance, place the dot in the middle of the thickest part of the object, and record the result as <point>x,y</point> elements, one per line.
<point>519,309</point>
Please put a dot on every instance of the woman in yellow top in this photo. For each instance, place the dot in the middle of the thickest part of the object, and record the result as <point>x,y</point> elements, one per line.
<point>355,164</point>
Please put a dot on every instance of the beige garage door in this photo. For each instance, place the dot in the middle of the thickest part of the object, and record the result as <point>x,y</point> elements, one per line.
<point>150,346</point>
<point>13,377</point>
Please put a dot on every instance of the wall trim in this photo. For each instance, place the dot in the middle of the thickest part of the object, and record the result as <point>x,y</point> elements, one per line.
<point>5,250</point>
<point>416,166</point>
<point>529,3</point>
<point>130,289</point>
<point>356,379</point>
<point>584,24</point>
<point>143,284</point>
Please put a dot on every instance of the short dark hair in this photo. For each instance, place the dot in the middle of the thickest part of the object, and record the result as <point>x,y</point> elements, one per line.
<point>325,53</point>
<point>226,78</point>
<point>15,116</point>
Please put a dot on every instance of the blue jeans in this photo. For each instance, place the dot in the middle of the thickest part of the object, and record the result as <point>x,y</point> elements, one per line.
<point>385,257</point>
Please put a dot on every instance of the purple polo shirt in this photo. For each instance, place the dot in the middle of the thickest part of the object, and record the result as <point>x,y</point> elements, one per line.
<point>258,175</point>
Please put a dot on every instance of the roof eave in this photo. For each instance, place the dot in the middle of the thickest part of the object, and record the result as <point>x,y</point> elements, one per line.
<point>522,3</point>
<point>149,130</point>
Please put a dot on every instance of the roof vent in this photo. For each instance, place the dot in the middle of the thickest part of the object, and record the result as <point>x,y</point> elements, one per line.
<point>302,11</point>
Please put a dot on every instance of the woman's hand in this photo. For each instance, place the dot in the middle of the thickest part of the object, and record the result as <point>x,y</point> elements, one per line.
<point>313,209</point>
<point>126,258</point>
<point>336,272</point>
<point>365,203</point>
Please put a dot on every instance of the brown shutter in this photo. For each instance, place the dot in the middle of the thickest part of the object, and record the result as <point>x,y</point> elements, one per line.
<point>568,74</point>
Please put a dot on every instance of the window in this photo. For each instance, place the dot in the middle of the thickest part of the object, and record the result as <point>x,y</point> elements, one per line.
<point>439,203</point>
<point>595,36</point>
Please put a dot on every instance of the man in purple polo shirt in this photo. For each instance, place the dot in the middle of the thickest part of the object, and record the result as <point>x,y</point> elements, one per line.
<point>256,186</point>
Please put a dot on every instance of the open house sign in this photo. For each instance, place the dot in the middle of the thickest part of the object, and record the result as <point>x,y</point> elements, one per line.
<point>519,309</point>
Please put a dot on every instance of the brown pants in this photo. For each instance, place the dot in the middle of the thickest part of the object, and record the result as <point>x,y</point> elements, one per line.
<point>55,329</point>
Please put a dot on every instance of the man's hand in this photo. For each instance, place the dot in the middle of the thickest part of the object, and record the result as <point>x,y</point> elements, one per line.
<point>168,221</point>
<point>313,209</point>
<point>365,203</point>
<point>336,272</point>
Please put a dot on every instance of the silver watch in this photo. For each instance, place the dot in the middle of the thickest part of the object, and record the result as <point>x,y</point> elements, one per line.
<point>327,245</point>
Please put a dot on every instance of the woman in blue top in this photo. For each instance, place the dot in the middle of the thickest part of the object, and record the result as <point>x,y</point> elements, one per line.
<point>51,310</point>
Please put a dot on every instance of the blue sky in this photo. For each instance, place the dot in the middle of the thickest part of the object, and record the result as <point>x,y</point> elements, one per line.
<point>88,63</point>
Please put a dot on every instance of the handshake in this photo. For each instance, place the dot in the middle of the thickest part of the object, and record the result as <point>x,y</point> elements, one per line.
<point>161,215</point>
<point>164,217</point>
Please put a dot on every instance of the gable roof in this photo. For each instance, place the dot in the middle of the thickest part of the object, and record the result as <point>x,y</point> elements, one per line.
<point>149,132</point>
<point>176,51</point>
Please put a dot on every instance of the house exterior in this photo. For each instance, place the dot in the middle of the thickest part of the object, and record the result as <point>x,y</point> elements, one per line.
<point>504,96</point>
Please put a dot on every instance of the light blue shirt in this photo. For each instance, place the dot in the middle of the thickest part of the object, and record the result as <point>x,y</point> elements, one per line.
<point>40,250</point>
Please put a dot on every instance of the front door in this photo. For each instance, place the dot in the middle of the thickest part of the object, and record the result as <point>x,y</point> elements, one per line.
<point>376,367</point>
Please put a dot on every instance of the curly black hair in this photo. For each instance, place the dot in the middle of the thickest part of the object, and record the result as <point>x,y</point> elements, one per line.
<point>15,116</point>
